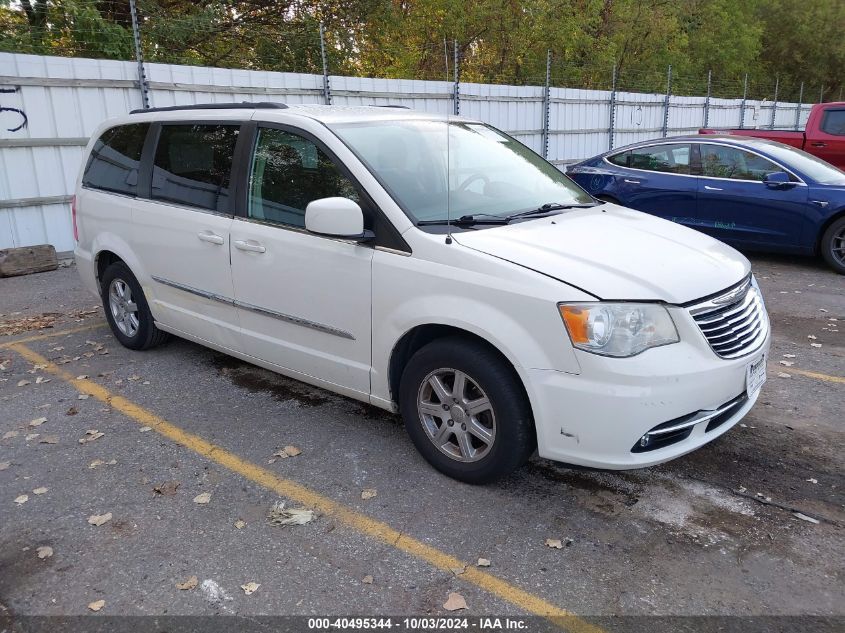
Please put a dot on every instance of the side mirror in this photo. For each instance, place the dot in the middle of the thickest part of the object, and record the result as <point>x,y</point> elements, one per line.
<point>336,217</point>
<point>778,180</point>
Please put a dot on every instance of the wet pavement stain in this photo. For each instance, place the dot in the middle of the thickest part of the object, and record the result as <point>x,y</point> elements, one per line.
<point>255,379</point>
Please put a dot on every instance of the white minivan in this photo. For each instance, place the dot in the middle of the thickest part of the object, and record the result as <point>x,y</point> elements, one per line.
<point>428,265</point>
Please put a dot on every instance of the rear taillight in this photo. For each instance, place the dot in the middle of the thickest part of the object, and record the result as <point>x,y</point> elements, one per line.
<point>73,217</point>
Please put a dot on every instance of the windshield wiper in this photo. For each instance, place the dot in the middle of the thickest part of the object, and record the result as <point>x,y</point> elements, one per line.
<point>468,220</point>
<point>544,209</point>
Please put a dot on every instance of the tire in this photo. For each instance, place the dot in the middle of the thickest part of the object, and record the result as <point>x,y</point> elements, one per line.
<point>120,291</point>
<point>459,451</point>
<point>833,246</point>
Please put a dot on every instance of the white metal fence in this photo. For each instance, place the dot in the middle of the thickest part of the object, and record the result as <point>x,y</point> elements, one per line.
<point>49,106</point>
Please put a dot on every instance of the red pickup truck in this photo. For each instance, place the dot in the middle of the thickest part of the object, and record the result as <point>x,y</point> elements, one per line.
<point>824,135</point>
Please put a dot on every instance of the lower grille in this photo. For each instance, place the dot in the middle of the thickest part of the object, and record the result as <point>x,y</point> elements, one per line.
<point>734,323</point>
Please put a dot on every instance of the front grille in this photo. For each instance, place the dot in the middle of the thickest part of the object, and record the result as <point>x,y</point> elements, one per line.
<point>735,322</point>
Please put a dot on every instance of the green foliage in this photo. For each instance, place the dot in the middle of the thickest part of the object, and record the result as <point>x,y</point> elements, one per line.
<point>499,41</point>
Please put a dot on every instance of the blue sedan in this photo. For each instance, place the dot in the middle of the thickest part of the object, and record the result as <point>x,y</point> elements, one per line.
<point>751,193</point>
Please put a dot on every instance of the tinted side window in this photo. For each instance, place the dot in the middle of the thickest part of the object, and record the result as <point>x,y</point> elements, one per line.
<point>622,159</point>
<point>834,122</point>
<point>721,161</point>
<point>115,159</point>
<point>193,165</point>
<point>288,172</point>
<point>672,159</point>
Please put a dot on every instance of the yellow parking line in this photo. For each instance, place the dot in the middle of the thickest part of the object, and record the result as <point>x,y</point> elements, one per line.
<point>808,374</point>
<point>55,333</point>
<point>306,496</point>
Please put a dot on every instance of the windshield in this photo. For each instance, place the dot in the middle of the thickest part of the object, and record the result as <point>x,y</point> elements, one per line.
<point>812,167</point>
<point>477,170</point>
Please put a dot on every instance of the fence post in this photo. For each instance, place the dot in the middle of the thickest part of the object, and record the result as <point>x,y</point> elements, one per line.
<point>798,109</point>
<point>775,102</point>
<point>327,88</point>
<point>139,57</point>
<point>612,127</point>
<point>707,99</point>
<point>456,75</point>
<point>666,103</point>
<point>742,105</point>
<point>547,99</point>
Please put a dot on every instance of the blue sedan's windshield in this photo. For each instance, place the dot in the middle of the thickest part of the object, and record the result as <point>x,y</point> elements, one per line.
<point>814,168</point>
<point>475,170</point>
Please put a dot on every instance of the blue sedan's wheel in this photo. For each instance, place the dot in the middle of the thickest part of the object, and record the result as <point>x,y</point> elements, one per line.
<point>833,246</point>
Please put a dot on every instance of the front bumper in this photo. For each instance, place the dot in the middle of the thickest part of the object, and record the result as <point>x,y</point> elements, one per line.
<point>596,418</point>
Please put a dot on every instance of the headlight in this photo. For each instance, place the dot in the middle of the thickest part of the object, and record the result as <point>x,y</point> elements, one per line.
<point>618,329</point>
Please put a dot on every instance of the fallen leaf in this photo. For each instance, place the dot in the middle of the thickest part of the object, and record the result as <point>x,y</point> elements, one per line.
<point>83,396</point>
<point>812,337</point>
<point>144,429</point>
<point>804,517</point>
<point>23,383</point>
<point>279,515</point>
<point>188,584</point>
<point>82,377</point>
<point>789,355</point>
<point>458,570</point>
<point>97,605</point>
<point>367,580</point>
<point>5,465</point>
<point>49,439</point>
<point>100,462</point>
<point>32,436</point>
<point>203,498</point>
<point>72,411</point>
<point>21,499</point>
<point>134,378</point>
<point>99,519</point>
<point>483,562</point>
<point>786,363</point>
<point>9,434</point>
<point>90,436</point>
<point>455,602</point>
<point>813,480</point>
<point>40,491</point>
<point>167,489</point>
<point>37,421</point>
<point>250,587</point>
<point>554,543</point>
<point>368,493</point>
<point>287,451</point>
<point>815,344</point>
<point>240,524</point>
<point>41,380</point>
<point>45,551</point>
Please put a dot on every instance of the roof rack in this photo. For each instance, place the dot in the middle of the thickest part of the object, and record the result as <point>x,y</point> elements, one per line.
<point>216,106</point>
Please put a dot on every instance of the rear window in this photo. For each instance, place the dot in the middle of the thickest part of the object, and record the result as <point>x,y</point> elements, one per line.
<point>115,159</point>
<point>834,122</point>
<point>193,165</point>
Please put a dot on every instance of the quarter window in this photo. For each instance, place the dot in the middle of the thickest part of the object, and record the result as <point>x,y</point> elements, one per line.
<point>672,158</point>
<point>193,165</point>
<point>115,159</point>
<point>288,172</point>
<point>721,161</point>
<point>834,122</point>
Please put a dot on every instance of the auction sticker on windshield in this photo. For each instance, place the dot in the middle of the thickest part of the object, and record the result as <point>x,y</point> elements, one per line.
<point>755,375</point>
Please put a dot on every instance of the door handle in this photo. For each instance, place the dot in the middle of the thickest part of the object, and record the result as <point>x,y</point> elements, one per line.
<point>819,144</point>
<point>709,188</point>
<point>632,182</point>
<point>213,238</point>
<point>249,245</point>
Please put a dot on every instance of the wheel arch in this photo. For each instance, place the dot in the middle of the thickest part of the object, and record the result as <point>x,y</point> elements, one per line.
<point>836,215</point>
<point>421,335</point>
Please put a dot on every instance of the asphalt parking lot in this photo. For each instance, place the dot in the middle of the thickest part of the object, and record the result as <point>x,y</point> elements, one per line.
<point>90,429</point>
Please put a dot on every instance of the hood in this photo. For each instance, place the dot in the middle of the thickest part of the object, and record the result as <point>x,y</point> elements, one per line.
<point>615,253</point>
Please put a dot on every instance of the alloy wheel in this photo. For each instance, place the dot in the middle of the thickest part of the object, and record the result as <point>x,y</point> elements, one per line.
<point>123,309</point>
